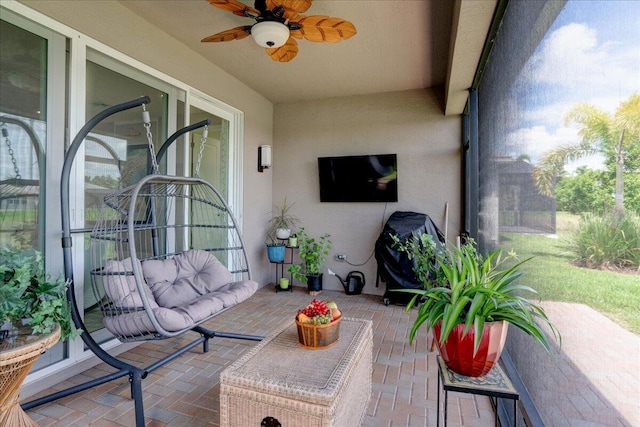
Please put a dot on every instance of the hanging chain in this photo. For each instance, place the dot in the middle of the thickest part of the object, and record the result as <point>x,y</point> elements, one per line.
<point>205,132</point>
<point>5,135</point>
<point>146,118</point>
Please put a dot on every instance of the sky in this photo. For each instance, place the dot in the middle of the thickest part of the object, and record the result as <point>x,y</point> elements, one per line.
<point>590,54</point>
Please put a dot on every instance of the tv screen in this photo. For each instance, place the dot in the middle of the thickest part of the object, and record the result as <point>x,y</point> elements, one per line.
<point>370,178</point>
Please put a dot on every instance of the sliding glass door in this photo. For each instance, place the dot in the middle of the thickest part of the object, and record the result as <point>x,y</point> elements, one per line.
<point>116,153</point>
<point>32,105</point>
<point>52,82</point>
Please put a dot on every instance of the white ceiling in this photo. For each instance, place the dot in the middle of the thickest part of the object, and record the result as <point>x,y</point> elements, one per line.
<point>399,45</point>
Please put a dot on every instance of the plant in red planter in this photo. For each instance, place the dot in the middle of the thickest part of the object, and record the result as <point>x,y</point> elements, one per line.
<point>469,300</point>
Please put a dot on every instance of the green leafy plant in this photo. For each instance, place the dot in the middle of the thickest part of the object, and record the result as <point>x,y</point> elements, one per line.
<point>281,219</point>
<point>313,253</point>
<point>607,241</point>
<point>28,293</point>
<point>462,286</point>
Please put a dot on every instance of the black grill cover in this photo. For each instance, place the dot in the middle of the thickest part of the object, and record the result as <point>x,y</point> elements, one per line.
<point>394,268</point>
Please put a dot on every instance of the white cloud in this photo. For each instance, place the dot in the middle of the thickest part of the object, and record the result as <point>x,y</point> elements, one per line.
<point>538,140</point>
<point>571,65</point>
<point>595,162</point>
<point>553,114</point>
<point>573,57</point>
<point>568,49</point>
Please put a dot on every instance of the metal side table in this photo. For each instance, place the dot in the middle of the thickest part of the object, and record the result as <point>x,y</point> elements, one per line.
<point>495,384</point>
<point>288,260</point>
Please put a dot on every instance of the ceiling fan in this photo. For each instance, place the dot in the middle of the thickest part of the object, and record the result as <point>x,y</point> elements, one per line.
<point>278,22</point>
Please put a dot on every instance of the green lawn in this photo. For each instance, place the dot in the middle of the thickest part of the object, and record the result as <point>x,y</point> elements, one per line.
<point>614,294</point>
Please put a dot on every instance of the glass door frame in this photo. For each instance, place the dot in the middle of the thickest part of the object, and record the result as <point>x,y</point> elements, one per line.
<point>54,118</point>
<point>235,118</point>
<point>64,121</point>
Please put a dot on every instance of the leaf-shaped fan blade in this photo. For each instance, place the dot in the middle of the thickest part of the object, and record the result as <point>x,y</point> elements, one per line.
<point>236,7</point>
<point>233,34</point>
<point>299,6</point>
<point>284,53</point>
<point>318,28</point>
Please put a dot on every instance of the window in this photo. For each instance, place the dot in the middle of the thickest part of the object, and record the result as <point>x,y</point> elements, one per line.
<point>557,73</point>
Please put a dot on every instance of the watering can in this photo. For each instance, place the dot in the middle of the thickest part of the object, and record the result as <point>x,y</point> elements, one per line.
<point>354,282</point>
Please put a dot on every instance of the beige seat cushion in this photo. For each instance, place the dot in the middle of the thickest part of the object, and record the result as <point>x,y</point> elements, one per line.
<point>120,286</point>
<point>185,277</point>
<point>195,283</point>
<point>181,291</point>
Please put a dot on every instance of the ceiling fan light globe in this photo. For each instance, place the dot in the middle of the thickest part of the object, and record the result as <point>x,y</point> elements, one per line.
<point>270,33</point>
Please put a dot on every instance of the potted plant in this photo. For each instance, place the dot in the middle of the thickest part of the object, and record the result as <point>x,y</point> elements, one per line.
<point>276,251</point>
<point>281,224</point>
<point>313,253</point>
<point>29,296</point>
<point>469,300</point>
<point>279,230</point>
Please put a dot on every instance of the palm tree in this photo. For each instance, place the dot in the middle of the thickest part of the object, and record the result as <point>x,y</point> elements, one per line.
<point>614,136</point>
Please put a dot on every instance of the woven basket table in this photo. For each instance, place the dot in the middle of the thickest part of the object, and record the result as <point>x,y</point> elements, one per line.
<point>17,356</point>
<point>300,387</point>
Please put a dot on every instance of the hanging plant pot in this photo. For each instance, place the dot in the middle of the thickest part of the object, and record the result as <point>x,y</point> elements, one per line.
<point>457,351</point>
<point>276,253</point>
<point>314,283</point>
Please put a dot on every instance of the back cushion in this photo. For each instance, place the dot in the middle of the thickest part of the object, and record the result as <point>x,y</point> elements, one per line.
<point>120,285</point>
<point>183,278</point>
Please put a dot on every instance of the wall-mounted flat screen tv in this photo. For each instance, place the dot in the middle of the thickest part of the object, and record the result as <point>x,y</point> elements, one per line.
<point>369,178</point>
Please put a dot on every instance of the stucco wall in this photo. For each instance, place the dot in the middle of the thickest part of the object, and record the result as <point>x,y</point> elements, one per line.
<point>408,123</point>
<point>112,24</point>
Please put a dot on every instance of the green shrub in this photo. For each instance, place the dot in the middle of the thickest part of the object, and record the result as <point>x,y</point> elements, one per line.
<point>607,241</point>
<point>587,191</point>
<point>591,191</point>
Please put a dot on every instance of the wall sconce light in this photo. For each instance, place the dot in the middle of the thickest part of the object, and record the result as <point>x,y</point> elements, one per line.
<point>264,157</point>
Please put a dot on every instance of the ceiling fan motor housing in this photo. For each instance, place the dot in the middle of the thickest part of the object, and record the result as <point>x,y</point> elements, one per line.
<point>276,28</point>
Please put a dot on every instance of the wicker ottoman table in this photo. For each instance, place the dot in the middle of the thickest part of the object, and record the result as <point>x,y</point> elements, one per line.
<point>300,387</point>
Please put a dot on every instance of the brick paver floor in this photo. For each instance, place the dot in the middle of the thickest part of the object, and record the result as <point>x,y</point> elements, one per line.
<point>596,375</point>
<point>588,384</point>
<point>185,392</point>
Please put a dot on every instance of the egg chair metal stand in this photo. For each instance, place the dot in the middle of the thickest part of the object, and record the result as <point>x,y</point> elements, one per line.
<point>166,255</point>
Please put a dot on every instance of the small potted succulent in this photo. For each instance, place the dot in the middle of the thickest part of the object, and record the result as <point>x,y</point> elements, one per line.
<point>313,253</point>
<point>30,297</point>
<point>469,300</point>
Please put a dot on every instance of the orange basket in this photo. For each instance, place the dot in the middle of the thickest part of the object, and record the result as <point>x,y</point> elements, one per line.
<point>318,336</point>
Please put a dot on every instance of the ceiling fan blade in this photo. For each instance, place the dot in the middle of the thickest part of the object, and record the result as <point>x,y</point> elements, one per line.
<point>319,28</point>
<point>284,53</point>
<point>299,6</point>
<point>237,33</point>
<point>236,7</point>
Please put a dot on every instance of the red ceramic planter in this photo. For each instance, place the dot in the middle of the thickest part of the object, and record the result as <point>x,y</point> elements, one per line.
<point>457,352</point>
